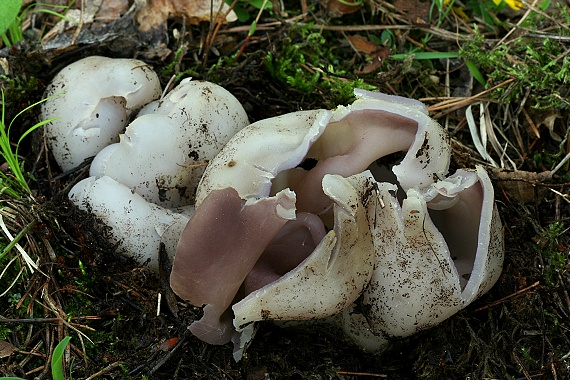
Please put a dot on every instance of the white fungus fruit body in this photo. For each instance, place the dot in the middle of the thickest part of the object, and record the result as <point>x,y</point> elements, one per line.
<point>92,100</point>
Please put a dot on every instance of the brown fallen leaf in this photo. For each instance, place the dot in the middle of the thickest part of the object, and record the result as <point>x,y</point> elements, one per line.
<point>111,10</point>
<point>6,349</point>
<point>153,14</point>
<point>338,8</point>
<point>521,185</point>
<point>376,53</point>
<point>414,11</point>
<point>95,11</point>
<point>549,121</point>
<point>168,344</point>
<point>363,44</point>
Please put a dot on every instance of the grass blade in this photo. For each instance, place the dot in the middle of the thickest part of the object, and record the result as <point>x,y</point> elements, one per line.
<point>475,72</point>
<point>57,359</point>
<point>8,13</point>
<point>427,55</point>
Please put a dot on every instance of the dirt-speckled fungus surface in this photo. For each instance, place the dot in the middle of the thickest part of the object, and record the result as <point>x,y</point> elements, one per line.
<point>416,260</point>
<point>294,217</point>
<point>143,178</point>
<point>164,151</point>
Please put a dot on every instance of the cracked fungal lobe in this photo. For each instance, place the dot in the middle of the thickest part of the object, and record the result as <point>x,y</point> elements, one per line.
<point>432,257</point>
<point>164,151</point>
<point>154,167</point>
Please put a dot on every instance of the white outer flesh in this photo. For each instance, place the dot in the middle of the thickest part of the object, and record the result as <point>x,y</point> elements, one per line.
<point>256,154</point>
<point>164,151</point>
<point>415,284</point>
<point>136,225</point>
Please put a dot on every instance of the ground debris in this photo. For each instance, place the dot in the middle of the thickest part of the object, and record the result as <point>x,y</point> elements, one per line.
<point>518,330</point>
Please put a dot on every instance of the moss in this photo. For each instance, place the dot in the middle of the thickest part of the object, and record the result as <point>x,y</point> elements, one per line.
<point>539,66</point>
<point>309,63</point>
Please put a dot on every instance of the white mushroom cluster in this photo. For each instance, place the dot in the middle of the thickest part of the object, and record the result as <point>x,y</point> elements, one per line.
<point>143,177</point>
<point>300,216</point>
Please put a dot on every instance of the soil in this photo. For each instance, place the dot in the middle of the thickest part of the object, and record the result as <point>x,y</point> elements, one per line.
<point>108,303</point>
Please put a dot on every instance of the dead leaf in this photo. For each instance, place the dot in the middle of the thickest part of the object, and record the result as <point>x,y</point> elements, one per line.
<point>65,25</point>
<point>93,12</point>
<point>153,14</point>
<point>521,185</point>
<point>414,11</point>
<point>168,344</point>
<point>111,10</point>
<point>374,64</point>
<point>549,122</point>
<point>376,53</point>
<point>362,44</point>
<point>6,349</point>
<point>338,8</point>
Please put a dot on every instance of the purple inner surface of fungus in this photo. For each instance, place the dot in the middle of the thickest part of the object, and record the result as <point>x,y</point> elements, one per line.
<point>348,147</point>
<point>292,244</point>
<point>226,242</point>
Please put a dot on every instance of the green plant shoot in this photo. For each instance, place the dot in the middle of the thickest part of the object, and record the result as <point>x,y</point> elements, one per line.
<point>57,359</point>
<point>56,362</point>
<point>11,156</point>
<point>427,55</point>
<point>11,19</point>
<point>8,13</point>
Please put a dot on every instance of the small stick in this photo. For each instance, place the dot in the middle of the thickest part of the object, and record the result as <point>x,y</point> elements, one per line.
<point>515,294</point>
<point>40,368</point>
<point>462,102</point>
<point>105,370</point>
<point>350,373</point>
<point>45,320</point>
